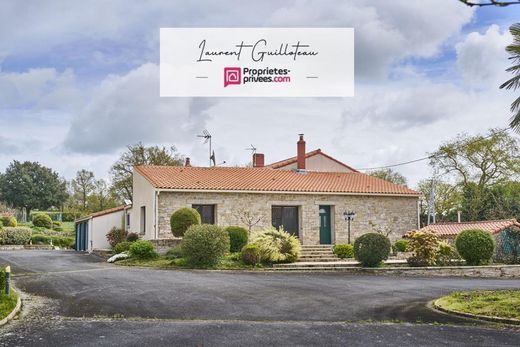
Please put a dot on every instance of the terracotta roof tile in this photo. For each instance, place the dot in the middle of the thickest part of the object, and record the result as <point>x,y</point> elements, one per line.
<point>293,160</point>
<point>102,213</point>
<point>452,229</point>
<point>268,180</point>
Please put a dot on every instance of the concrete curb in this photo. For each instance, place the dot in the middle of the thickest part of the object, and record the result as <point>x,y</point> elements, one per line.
<point>512,321</point>
<point>13,313</point>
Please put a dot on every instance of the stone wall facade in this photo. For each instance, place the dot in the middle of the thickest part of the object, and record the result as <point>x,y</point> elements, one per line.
<point>391,215</point>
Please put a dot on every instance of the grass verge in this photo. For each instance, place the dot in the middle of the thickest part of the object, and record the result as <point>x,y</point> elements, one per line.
<point>490,303</point>
<point>163,262</point>
<point>7,304</point>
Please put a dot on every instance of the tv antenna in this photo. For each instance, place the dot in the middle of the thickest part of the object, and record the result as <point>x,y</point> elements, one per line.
<point>252,149</point>
<point>207,138</point>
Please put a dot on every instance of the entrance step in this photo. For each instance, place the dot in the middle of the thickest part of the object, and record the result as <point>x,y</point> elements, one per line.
<point>317,253</point>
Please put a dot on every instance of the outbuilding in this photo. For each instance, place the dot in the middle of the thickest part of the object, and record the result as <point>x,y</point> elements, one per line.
<point>91,230</point>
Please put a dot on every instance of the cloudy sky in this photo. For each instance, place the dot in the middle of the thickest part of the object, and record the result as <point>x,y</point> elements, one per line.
<point>79,82</point>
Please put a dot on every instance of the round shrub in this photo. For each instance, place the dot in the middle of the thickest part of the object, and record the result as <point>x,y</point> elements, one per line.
<point>142,249</point>
<point>401,245</point>
<point>8,220</point>
<point>371,249</point>
<point>237,238</point>
<point>122,247</point>
<point>42,220</point>
<point>132,237</point>
<point>344,251</point>
<point>250,254</point>
<point>475,246</point>
<point>204,245</point>
<point>15,236</point>
<point>182,219</point>
<point>277,246</point>
<point>116,235</point>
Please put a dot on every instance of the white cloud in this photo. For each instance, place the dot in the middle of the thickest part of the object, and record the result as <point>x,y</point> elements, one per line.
<point>482,58</point>
<point>385,31</point>
<point>38,89</point>
<point>127,109</point>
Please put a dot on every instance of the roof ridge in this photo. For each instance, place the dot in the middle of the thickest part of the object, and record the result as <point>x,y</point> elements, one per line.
<point>475,222</point>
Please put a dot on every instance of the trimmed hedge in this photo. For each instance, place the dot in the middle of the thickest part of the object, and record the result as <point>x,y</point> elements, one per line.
<point>371,249</point>
<point>238,237</point>
<point>344,250</point>
<point>250,254</point>
<point>15,236</point>
<point>60,241</point>
<point>182,219</point>
<point>475,246</point>
<point>142,249</point>
<point>42,220</point>
<point>204,245</point>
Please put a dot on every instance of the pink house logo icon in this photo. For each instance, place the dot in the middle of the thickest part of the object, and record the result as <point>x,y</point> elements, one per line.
<point>232,75</point>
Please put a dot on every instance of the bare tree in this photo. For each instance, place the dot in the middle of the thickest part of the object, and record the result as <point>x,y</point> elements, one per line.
<point>248,218</point>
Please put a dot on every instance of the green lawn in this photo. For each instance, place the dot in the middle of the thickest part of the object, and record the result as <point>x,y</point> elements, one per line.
<point>492,303</point>
<point>7,304</point>
<point>163,262</point>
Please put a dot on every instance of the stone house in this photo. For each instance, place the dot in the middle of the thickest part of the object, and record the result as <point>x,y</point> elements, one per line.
<point>309,195</point>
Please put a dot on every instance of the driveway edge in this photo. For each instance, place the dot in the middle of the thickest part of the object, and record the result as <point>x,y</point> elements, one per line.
<point>512,321</point>
<point>13,313</point>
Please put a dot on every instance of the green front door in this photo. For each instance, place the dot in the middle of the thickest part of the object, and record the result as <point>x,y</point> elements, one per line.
<point>325,229</point>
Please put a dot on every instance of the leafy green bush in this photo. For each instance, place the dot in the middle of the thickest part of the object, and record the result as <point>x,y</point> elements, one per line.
<point>142,249</point>
<point>122,247</point>
<point>425,248</point>
<point>204,245</point>
<point>42,220</point>
<point>1,224</point>
<point>277,246</point>
<point>250,254</point>
<point>174,253</point>
<point>15,236</point>
<point>371,249</point>
<point>8,220</point>
<point>237,237</point>
<point>116,235</point>
<point>182,219</point>
<point>344,250</point>
<point>475,246</point>
<point>447,255</point>
<point>40,239</point>
<point>132,237</point>
<point>401,245</point>
<point>57,226</point>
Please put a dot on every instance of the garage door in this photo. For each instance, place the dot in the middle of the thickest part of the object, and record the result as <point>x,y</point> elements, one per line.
<point>82,236</point>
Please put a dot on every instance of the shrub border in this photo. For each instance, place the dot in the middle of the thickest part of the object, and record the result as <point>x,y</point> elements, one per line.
<point>14,312</point>
<point>495,319</point>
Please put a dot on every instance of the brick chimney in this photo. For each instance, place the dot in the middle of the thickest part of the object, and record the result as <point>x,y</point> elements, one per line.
<point>187,163</point>
<point>301,153</point>
<point>258,160</point>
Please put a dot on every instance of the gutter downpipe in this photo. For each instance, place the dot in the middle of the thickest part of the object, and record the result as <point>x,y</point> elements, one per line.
<point>156,214</point>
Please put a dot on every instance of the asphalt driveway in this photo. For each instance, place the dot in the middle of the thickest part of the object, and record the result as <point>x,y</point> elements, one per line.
<point>90,298</point>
